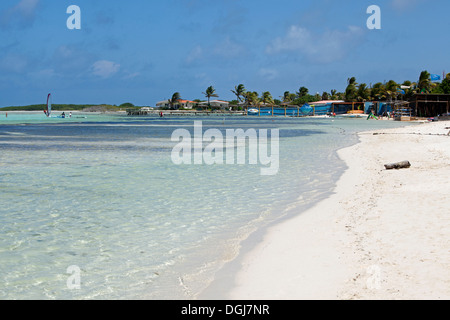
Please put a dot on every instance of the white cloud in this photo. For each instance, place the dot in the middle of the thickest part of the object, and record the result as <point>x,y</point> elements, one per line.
<point>131,75</point>
<point>268,74</point>
<point>46,73</point>
<point>201,76</point>
<point>27,7</point>
<point>402,5</point>
<point>226,49</point>
<point>194,55</point>
<point>229,49</point>
<point>72,59</point>
<point>22,13</point>
<point>64,52</point>
<point>327,47</point>
<point>14,63</point>
<point>105,69</point>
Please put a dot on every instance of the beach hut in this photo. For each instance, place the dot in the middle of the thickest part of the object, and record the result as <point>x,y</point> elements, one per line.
<point>218,104</point>
<point>163,104</point>
<point>324,107</point>
<point>347,107</point>
<point>185,104</point>
<point>402,111</point>
<point>430,105</point>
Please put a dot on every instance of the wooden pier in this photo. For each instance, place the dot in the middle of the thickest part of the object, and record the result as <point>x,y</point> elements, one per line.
<point>134,112</point>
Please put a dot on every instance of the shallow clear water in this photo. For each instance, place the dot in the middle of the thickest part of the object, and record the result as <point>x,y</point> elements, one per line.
<point>103,194</point>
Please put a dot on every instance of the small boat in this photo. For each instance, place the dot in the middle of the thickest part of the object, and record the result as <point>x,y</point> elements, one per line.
<point>352,115</point>
<point>253,111</point>
<point>355,112</point>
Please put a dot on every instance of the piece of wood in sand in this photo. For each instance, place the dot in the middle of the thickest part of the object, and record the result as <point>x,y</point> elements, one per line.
<point>398,165</point>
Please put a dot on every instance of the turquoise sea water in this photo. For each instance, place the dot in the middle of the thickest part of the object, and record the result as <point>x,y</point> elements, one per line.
<point>101,192</point>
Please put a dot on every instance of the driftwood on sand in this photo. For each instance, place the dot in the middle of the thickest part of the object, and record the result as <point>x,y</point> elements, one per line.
<point>398,165</point>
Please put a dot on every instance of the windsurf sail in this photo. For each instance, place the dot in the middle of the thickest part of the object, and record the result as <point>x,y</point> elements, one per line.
<point>48,110</point>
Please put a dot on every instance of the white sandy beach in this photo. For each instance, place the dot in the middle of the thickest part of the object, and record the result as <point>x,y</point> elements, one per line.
<point>383,234</point>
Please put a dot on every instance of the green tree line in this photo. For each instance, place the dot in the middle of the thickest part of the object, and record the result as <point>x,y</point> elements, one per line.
<point>354,92</point>
<point>70,107</point>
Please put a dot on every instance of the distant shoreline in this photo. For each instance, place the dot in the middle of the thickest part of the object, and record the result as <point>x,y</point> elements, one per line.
<point>60,111</point>
<point>68,107</point>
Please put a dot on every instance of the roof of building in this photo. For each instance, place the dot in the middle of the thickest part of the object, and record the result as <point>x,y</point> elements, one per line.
<point>326,102</point>
<point>214,101</point>
<point>178,101</point>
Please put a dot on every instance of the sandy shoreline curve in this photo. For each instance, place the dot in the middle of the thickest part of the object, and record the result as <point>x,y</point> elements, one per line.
<point>382,234</point>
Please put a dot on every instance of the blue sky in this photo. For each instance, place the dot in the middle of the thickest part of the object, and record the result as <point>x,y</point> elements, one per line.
<point>142,51</point>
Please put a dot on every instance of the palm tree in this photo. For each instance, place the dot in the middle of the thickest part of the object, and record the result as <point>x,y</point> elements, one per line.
<point>303,91</point>
<point>239,92</point>
<point>409,89</point>
<point>287,98</point>
<point>266,97</point>
<point>445,85</point>
<point>424,84</point>
<point>392,89</point>
<point>351,91</point>
<point>334,95</point>
<point>251,98</point>
<point>351,81</point>
<point>363,93</point>
<point>175,97</point>
<point>379,91</point>
<point>407,83</point>
<point>210,92</point>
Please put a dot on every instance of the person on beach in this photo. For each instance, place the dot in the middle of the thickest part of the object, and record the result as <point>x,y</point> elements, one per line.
<point>371,115</point>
